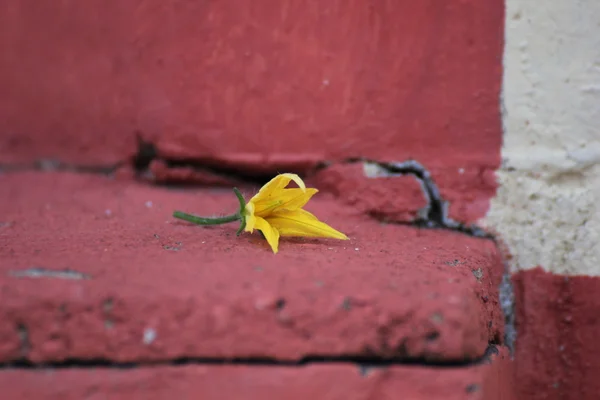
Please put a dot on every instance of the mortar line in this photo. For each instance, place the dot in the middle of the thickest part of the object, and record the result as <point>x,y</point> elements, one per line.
<point>360,362</point>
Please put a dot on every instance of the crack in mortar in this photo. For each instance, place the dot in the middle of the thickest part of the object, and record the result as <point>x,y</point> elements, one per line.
<point>435,213</point>
<point>507,305</point>
<point>506,290</point>
<point>147,153</point>
<point>363,364</point>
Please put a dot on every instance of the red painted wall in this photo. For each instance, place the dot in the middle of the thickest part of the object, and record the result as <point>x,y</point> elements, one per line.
<point>558,325</point>
<point>276,84</point>
<point>384,79</point>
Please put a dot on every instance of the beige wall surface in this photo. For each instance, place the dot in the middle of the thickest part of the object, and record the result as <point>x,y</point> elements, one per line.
<point>546,208</point>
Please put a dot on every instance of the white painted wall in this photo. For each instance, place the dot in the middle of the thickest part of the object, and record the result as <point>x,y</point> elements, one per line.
<point>547,207</point>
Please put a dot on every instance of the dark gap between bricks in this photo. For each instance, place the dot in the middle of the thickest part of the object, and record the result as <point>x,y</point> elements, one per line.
<point>361,362</point>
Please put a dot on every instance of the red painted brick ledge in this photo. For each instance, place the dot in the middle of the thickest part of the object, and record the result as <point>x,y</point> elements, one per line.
<point>158,285</point>
<point>96,272</point>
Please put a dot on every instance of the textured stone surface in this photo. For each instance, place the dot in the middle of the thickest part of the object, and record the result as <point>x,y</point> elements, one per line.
<point>558,324</point>
<point>547,205</point>
<point>278,86</point>
<point>157,288</point>
<point>215,382</point>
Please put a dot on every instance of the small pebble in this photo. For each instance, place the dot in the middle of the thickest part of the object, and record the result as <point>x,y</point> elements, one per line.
<point>149,336</point>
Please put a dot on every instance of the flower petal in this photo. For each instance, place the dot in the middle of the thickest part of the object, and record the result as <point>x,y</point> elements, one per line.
<point>279,182</point>
<point>284,199</point>
<point>302,223</point>
<point>270,233</point>
<point>250,217</point>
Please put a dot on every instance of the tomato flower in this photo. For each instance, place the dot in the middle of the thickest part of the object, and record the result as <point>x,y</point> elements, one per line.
<point>276,211</point>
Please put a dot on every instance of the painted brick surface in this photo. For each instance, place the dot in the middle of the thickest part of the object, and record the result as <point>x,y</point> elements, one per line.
<point>214,382</point>
<point>277,86</point>
<point>558,324</point>
<point>228,92</point>
<point>154,288</point>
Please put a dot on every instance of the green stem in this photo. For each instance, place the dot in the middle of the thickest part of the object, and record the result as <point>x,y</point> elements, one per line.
<point>241,228</point>
<point>240,197</point>
<point>206,221</point>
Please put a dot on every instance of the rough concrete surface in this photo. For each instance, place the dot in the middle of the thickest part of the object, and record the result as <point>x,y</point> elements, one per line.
<point>547,205</point>
<point>94,268</point>
<point>281,85</point>
<point>217,382</point>
<point>557,353</point>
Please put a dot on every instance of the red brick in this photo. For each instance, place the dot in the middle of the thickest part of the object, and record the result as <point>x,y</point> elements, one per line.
<point>397,198</point>
<point>391,291</point>
<point>401,198</point>
<point>216,382</point>
<point>558,324</point>
<point>277,86</point>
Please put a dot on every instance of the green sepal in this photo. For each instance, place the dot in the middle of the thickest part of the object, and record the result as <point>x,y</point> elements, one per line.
<point>241,211</point>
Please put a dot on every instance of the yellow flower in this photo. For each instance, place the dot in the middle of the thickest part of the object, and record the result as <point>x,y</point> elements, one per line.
<point>277,211</point>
